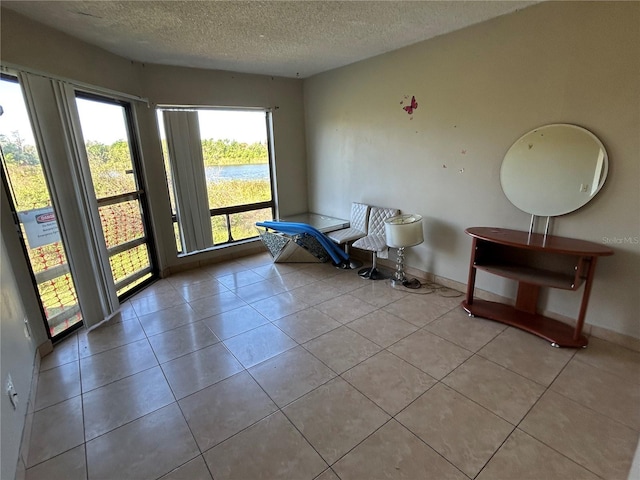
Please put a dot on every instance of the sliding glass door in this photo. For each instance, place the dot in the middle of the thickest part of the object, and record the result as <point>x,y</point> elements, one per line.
<point>112,156</point>
<point>24,178</point>
<point>71,169</point>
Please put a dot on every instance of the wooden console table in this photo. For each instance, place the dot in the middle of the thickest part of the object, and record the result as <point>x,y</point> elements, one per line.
<point>533,260</point>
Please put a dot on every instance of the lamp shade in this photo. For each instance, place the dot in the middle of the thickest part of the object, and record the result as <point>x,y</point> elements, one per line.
<point>404,230</point>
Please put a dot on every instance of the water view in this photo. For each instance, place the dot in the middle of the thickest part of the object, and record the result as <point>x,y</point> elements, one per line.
<point>237,172</point>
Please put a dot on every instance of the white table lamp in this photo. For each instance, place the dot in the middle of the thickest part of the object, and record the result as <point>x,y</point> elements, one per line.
<point>403,231</point>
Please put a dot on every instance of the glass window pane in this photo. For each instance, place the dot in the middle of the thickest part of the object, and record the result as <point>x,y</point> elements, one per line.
<point>129,262</point>
<point>29,191</point>
<point>220,230</point>
<point>236,157</point>
<point>234,146</point>
<point>243,225</point>
<point>165,156</point>
<point>104,129</point>
<point>176,234</point>
<point>132,285</point>
<point>108,142</point>
<point>121,222</point>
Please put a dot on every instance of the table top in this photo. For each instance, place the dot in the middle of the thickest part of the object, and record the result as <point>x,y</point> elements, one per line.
<point>538,241</point>
<point>324,223</point>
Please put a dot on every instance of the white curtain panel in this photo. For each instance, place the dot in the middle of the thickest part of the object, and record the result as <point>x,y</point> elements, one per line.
<point>56,126</point>
<point>189,179</point>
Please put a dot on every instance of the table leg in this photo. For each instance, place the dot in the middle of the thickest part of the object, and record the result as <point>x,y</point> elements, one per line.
<point>585,298</point>
<point>471,282</point>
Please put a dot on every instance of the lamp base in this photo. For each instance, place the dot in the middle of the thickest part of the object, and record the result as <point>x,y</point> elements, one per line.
<point>413,284</point>
<point>399,279</point>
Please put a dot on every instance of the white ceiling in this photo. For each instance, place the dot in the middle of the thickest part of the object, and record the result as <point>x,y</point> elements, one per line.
<point>283,38</point>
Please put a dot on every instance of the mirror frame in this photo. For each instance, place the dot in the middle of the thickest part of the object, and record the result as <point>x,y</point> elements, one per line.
<point>515,157</point>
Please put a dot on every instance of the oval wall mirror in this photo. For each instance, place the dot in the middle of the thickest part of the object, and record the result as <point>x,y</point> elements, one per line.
<point>554,170</point>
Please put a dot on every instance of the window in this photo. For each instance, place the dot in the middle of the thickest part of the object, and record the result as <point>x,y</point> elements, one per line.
<point>31,201</point>
<point>81,204</point>
<point>113,165</point>
<point>218,164</point>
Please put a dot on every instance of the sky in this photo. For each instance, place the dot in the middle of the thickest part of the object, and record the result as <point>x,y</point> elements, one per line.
<point>15,114</point>
<point>104,123</point>
<point>241,125</point>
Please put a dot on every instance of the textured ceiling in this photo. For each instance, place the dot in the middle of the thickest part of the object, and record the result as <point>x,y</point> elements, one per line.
<point>284,38</point>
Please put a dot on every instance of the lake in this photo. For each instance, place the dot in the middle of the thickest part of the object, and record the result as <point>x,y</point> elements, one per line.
<point>237,172</point>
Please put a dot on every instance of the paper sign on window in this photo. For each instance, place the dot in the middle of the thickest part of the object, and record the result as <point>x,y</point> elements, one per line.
<point>40,226</point>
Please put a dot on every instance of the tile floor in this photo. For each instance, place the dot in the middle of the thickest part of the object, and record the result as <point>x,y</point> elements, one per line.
<point>253,370</point>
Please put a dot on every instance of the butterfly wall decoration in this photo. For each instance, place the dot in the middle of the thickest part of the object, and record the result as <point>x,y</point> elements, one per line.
<point>410,108</point>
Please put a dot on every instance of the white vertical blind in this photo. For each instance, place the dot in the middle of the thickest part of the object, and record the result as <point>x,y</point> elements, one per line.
<point>189,179</point>
<point>56,126</point>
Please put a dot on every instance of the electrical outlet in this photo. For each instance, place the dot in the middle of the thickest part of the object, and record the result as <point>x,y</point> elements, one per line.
<point>11,392</point>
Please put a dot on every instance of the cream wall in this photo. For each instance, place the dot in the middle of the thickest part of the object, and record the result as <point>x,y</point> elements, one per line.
<point>31,44</point>
<point>478,91</point>
<point>17,354</point>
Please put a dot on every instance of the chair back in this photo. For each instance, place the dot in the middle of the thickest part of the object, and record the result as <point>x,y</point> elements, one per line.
<point>359,216</point>
<point>377,216</point>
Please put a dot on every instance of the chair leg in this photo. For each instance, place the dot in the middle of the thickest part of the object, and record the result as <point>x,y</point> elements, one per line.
<point>353,264</point>
<point>372,272</point>
<point>365,272</point>
<point>375,274</point>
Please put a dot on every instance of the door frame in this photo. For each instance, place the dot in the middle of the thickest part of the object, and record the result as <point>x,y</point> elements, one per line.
<point>141,194</point>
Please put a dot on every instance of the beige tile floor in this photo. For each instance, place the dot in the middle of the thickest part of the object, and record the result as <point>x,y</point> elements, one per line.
<point>252,370</point>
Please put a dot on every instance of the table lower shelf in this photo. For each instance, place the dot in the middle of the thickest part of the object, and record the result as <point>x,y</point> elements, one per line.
<point>552,330</point>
